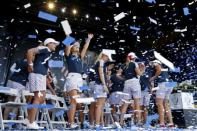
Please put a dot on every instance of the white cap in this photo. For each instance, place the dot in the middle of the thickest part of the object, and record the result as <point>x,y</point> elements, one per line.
<point>132,55</point>
<point>50,40</point>
<point>107,54</point>
<point>156,61</point>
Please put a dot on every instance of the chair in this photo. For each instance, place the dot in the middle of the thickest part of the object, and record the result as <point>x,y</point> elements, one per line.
<point>15,104</point>
<point>109,120</point>
<point>85,101</point>
<point>42,116</point>
<point>58,111</point>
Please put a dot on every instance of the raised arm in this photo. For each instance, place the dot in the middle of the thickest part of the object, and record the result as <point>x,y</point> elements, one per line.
<point>85,47</point>
<point>67,50</point>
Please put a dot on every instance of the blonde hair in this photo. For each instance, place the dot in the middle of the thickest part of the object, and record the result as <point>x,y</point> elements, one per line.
<point>99,57</point>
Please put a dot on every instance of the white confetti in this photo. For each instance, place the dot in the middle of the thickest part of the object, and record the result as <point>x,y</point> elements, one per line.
<point>27,5</point>
<point>152,20</point>
<point>119,16</point>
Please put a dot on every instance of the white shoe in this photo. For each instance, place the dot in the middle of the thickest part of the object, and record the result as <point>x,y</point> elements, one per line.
<point>26,122</point>
<point>97,127</point>
<point>91,126</point>
<point>73,126</point>
<point>34,125</point>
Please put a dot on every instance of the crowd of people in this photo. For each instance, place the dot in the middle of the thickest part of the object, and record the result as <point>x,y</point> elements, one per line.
<point>127,85</point>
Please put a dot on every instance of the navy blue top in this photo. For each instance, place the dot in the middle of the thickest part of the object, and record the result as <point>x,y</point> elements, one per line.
<point>129,72</point>
<point>117,83</point>
<point>74,64</point>
<point>41,60</point>
<point>96,76</point>
<point>91,74</point>
<point>145,77</point>
<point>163,77</point>
<point>21,76</point>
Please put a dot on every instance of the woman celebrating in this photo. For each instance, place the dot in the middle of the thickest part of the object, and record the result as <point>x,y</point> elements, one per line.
<point>132,87</point>
<point>74,79</point>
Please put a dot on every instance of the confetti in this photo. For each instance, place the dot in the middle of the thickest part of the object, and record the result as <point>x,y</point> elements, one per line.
<point>50,31</point>
<point>66,27</point>
<point>152,20</point>
<point>164,60</point>
<point>84,88</point>
<point>150,1</point>
<point>186,11</point>
<point>56,63</point>
<point>32,36</point>
<point>134,28</point>
<point>119,16</point>
<point>27,5</point>
<point>68,40</point>
<point>180,30</point>
<point>47,16</point>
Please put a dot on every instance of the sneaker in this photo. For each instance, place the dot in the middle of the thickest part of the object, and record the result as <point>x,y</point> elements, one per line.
<point>73,126</point>
<point>117,125</point>
<point>34,125</point>
<point>139,124</point>
<point>171,125</point>
<point>91,126</point>
<point>26,122</point>
<point>97,127</point>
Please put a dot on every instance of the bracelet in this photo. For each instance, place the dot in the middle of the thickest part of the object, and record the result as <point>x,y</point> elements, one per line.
<point>31,64</point>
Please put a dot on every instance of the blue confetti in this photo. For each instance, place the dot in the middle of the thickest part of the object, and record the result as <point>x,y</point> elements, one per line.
<point>11,124</point>
<point>59,113</point>
<point>84,88</point>
<point>32,36</point>
<point>47,16</point>
<point>150,1</point>
<point>171,84</point>
<point>150,118</point>
<point>186,11</point>
<point>12,115</point>
<point>50,31</point>
<point>56,63</point>
<point>68,40</point>
<point>134,28</point>
<point>29,106</point>
<point>177,70</point>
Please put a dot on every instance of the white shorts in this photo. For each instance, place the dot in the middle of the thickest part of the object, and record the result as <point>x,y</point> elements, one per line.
<point>15,85</point>
<point>99,91</point>
<point>73,82</point>
<point>115,99</point>
<point>133,88</point>
<point>145,98</point>
<point>37,82</point>
<point>163,92</point>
